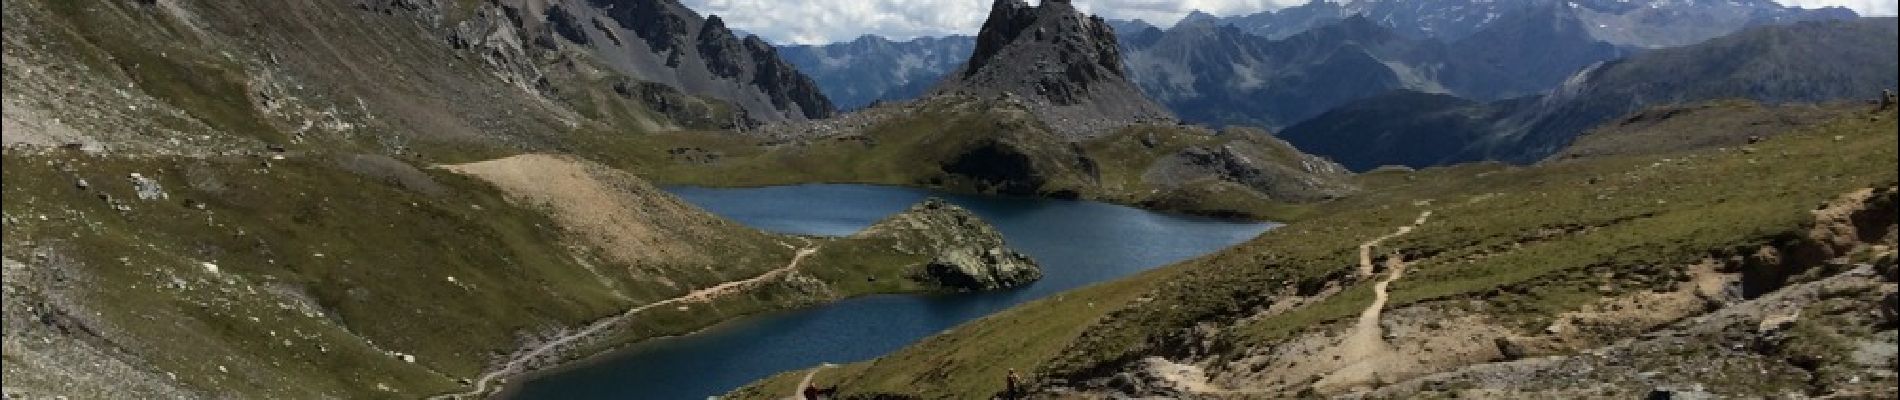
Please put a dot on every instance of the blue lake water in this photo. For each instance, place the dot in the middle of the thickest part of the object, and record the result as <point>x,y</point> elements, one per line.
<point>1077,243</point>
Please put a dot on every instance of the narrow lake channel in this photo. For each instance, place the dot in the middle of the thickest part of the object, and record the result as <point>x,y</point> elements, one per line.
<point>1077,243</point>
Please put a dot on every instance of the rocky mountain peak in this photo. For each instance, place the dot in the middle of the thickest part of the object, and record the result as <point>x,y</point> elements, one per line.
<point>1007,21</point>
<point>1192,23</point>
<point>1199,17</point>
<point>1066,65</point>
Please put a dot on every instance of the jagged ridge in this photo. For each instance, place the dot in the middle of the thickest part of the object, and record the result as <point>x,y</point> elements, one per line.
<point>1067,66</point>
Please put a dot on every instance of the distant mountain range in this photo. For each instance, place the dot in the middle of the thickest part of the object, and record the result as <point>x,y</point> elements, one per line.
<point>857,73</point>
<point>1773,64</point>
<point>1632,23</point>
<point>1274,69</point>
<point>1217,74</point>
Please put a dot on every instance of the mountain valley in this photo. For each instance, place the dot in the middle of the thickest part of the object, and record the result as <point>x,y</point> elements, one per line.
<point>1442,198</point>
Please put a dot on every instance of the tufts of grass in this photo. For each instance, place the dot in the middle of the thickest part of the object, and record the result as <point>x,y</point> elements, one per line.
<point>211,90</point>
<point>328,267</point>
<point>1532,241</point>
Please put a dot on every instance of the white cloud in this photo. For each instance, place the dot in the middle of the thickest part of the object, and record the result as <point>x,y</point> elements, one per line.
<point>813,22</point>
<point>816,22</point>
<point>1864,7</point>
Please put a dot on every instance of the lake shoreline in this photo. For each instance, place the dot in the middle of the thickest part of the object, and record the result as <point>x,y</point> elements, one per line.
<point>1089,242</point>
<point>1234,215</point>
<point>512,383</point>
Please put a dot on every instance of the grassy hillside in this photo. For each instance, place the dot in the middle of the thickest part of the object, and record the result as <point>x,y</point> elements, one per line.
<point>300,248</point>
<point>989,146</point>
<point>361,276</point>
<point>1540,257</point>
<point>347,265</point>
<point>346,210</point>
<point>1721,123</point>
<point>307,244</point>
<point>455,84</point>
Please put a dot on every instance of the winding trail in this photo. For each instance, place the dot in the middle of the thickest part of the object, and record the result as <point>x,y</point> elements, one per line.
<point>1364,349</point>
<point>1365,249</point>
<point>486,382</point>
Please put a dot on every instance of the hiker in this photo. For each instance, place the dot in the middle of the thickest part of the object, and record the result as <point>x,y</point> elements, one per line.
<point>814,393</point>
<point>1886,99</point>
<point>1012,385</point>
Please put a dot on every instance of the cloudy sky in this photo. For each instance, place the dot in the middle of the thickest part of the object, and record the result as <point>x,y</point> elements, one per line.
<point>815,22</point>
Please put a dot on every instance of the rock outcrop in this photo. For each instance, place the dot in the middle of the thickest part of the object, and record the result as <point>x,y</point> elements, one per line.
<point>968,253</point>
<point>1066,65</point>
<point>1256,160</point>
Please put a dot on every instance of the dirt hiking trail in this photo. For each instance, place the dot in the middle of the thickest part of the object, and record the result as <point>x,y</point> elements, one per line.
<point>1364,349</point>
<point>486,382</point>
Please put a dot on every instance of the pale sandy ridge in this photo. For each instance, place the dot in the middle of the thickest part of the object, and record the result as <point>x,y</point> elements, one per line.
<point>626,218</point>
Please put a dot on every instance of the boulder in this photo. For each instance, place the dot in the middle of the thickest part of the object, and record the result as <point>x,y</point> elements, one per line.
<point>963,268</point>
<point>1678,394</point>
<point>147,188</point>
<point>1509,350</point>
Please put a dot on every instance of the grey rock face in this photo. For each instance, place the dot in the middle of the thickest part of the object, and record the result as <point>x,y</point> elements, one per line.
<point>663,42</point>
<point>991,269</point>
<point>721,49</point>
<point>787,88</point>
<point>1067,66</point>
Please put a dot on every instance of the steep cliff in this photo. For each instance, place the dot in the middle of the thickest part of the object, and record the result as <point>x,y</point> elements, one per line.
<point>663,41</point>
